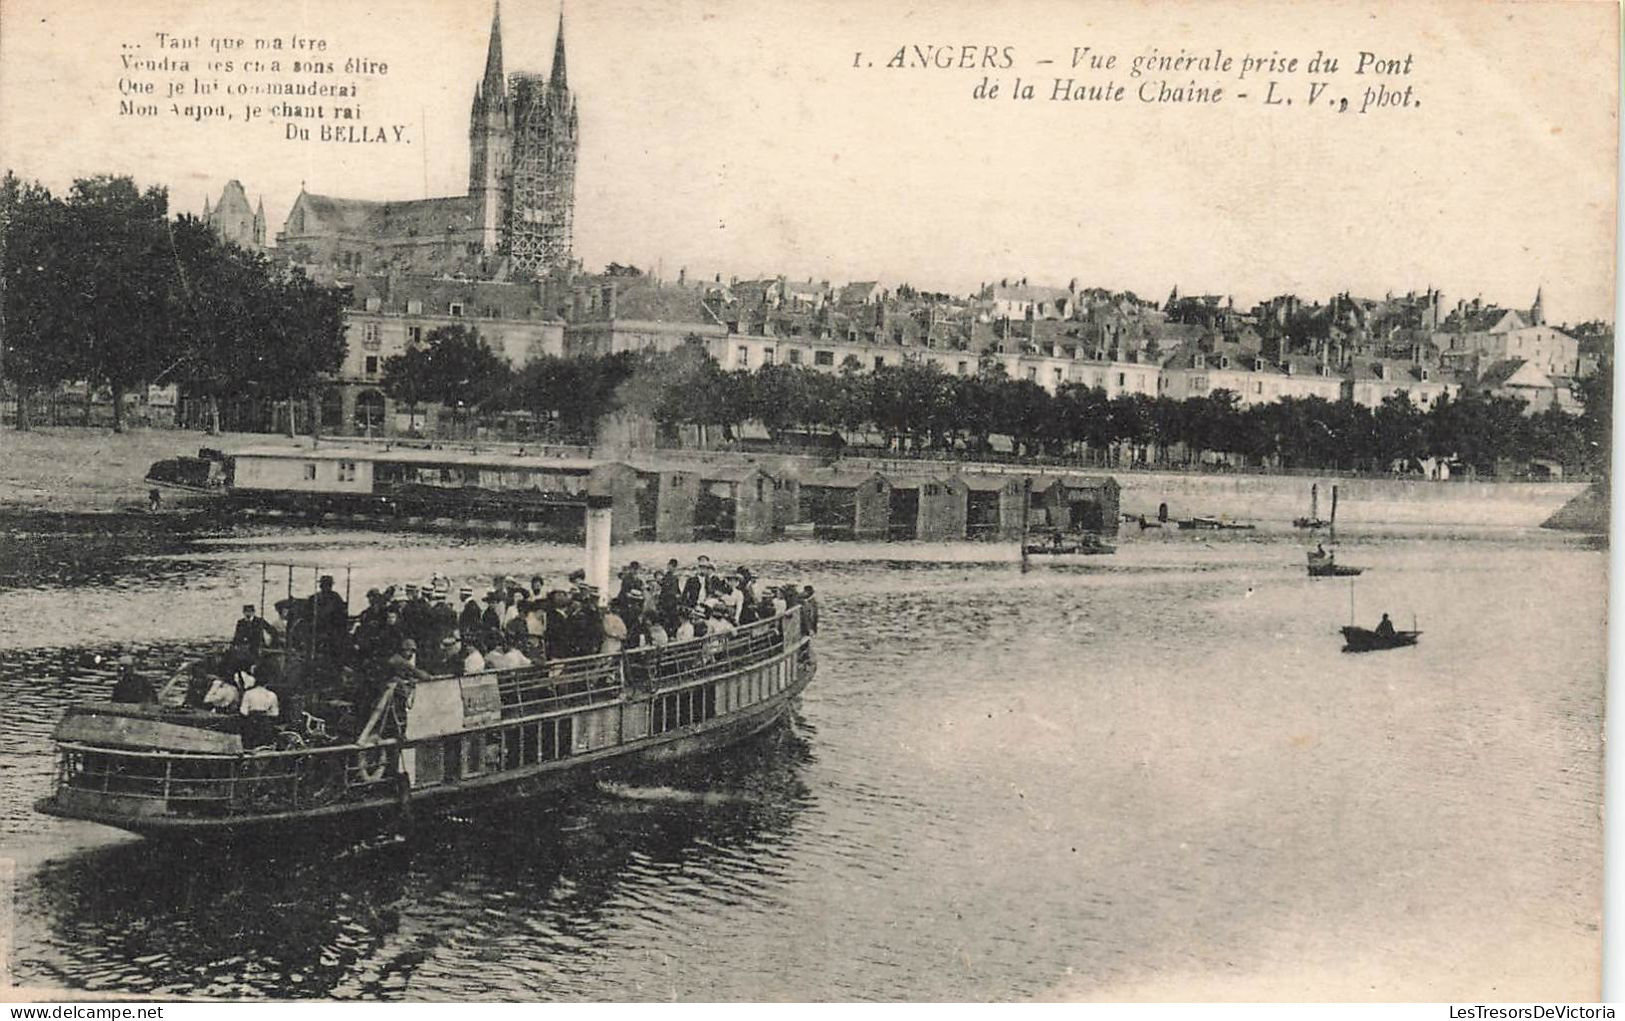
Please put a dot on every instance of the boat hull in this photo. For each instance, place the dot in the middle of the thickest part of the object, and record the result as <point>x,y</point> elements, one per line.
<point>549,781</point>
<point>464,741</point>
<point>1333,571</point>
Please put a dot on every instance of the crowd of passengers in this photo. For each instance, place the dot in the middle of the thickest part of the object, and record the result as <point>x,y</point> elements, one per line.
<point>318,652</point>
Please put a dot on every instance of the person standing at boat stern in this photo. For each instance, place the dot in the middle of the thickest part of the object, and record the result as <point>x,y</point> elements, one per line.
<point>253,631</point>
<point>131,686</point>
<point>331,616</point>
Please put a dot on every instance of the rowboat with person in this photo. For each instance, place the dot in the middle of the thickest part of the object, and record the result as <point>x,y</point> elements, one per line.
<point>1383,636</point>
<point>1322,561</point>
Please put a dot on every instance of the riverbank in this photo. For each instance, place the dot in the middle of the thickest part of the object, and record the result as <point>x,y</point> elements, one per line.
<point>64,469</point>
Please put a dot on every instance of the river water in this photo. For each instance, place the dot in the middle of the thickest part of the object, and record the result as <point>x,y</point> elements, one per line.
<point>1151,775</point>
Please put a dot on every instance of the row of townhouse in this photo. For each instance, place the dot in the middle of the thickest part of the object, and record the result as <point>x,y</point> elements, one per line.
<point>526,321</point>
<point>1190,372</point>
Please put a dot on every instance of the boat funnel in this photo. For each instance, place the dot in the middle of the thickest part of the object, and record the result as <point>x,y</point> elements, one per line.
<point>598,524</point>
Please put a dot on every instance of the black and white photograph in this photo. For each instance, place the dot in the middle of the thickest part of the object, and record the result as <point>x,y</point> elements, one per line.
<point>628,501</point>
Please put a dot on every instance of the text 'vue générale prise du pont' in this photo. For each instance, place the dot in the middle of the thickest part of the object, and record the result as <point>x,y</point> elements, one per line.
<point>1345,81</point>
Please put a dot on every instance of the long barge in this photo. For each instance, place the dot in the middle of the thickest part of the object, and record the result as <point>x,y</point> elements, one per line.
<point>432,746</point>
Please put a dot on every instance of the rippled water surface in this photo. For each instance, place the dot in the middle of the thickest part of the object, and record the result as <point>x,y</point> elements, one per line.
<point>1147,775</point>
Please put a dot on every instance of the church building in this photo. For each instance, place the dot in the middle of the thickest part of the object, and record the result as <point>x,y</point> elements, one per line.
<point>517,219</point>
<point>234,221</point>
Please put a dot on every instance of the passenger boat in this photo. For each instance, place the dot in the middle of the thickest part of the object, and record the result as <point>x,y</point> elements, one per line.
<point>1359,639</point>
<point>430,745</point>
<point>433,746</point>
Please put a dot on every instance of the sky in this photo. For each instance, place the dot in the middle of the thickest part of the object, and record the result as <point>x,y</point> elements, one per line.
<point>738,136</point>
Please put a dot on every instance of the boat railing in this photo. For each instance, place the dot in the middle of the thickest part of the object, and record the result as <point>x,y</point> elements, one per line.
<point>560,685</point>
<point>589,680</point>
<point>259,781</point>
<point>270,780</point>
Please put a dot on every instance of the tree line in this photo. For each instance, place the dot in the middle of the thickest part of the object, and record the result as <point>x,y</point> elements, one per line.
<point>102,287</point>
<point>919,408</point>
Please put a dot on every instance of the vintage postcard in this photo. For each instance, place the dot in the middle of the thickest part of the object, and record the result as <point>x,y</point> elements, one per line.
<point>511,500</point>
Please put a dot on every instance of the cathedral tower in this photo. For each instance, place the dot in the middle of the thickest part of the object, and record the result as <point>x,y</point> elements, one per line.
<point>490,143</point>
<point>541,212</point>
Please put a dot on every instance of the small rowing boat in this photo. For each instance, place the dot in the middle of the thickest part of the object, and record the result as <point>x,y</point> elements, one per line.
<point>1214,525</point>
<point>1323,562</point>
<point>1359,639</point>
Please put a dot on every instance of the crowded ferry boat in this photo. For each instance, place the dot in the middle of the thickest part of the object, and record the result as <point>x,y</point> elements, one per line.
<point>434,696</point>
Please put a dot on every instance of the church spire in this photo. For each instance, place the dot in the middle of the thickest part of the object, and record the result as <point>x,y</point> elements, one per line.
<point>492,84</point>
<point>1537,311</point>
<point>558,80</point>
